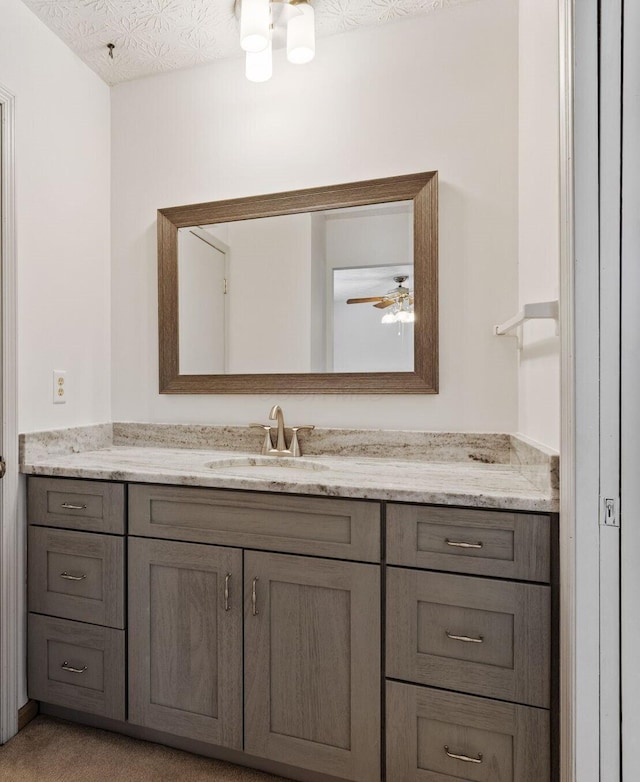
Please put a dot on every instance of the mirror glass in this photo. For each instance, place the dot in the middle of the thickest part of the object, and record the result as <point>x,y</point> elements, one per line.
<point>313,292</point>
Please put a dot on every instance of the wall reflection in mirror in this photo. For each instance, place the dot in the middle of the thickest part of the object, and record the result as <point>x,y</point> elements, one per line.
<point>325,291</point>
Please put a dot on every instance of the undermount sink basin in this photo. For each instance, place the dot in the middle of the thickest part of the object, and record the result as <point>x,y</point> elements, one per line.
<point>278,463</point>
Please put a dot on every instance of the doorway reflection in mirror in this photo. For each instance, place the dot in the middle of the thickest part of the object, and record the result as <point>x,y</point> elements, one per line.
<point>373,319</point>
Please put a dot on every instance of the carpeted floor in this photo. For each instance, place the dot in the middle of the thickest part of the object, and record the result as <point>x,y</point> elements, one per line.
<point>51,750</point>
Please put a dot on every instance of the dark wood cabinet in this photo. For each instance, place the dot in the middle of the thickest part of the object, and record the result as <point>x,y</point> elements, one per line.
<point>254,623</point>
<point>312,664</point>
<point>185,640</point>
<point>452,636</point>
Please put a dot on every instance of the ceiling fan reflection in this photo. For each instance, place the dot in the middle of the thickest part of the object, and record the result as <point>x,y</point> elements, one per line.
<point>400,299</point>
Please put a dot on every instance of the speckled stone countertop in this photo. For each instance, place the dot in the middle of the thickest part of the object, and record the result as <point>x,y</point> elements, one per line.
<point>476,470</point>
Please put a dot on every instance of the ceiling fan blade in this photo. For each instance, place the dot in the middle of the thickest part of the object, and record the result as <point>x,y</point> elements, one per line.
<point>385,303</point>
<point>366,300</point>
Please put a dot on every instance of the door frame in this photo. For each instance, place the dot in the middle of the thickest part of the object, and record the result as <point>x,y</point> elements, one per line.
<point>11,550</point>
<point>590,431</point>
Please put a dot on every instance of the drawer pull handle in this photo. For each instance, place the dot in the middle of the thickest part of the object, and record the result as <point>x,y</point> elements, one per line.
<point>463,544</point>
<point>254,597</point>
<point>465,758</point>
<point>66,667</point>
<point>466,638</point>
<point>227,605</point>
<point>69,506</point>
<point>69,577</point>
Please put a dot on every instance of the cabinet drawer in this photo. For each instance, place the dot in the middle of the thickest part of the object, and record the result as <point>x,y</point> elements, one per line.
<point>343,529</point>
<point>77,665</point>
<point>435,736</point>
<point>77,575</point>
<point>474,635</point>
<point>480,542</point>
<point>92,506</point>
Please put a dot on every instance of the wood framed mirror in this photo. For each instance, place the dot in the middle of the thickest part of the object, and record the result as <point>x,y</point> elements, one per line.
<point>282,293</point>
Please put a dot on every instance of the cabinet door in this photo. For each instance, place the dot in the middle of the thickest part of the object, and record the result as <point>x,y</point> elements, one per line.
<point>312,664</point>
<point>185,640</point>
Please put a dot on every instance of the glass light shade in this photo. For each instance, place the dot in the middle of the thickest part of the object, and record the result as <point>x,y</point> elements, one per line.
<point>405,317</point>
<point>255,19</point>
<point>259,65</point>
<point>389,317</point>
<point>301,35</point>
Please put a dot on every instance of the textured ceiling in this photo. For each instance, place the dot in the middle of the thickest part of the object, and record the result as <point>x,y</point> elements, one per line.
<point>151,36</point>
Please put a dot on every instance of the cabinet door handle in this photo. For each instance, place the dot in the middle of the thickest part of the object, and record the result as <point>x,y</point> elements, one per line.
<point>227,579</point>
<point>466,638</point>
<point>465,758</point>
<point>66,667</point>
<point>69,506</point>
<point>69,577</point>
<point>463,544</point>
<point>254,597</point>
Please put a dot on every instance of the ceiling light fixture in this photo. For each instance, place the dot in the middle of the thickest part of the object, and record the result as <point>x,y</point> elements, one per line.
<point>402,312</point>
<point>269,24</point>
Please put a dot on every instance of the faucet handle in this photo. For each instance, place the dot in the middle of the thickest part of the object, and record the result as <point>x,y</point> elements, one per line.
<point>295,443</point>
<point>267,444</point>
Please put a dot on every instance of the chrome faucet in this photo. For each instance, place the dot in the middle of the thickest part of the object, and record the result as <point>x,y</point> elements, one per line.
<point>281,447</point>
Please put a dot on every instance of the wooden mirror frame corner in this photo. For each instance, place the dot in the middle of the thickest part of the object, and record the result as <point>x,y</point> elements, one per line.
<point>420,188</point>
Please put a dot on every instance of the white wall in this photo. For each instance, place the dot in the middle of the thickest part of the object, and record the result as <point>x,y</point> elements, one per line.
<point>539,208</point>
<point>433,92</point>
<point>62,215</point>
<point>62,222</point>
<point>269,300</point>
<point>363,238</point>
<point>201,304</point>
<point>318,293</point>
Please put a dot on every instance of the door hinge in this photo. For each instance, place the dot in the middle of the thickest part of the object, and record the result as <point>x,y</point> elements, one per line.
<point>3,467</point>
<point>610,512</point>
<point>225,288</point>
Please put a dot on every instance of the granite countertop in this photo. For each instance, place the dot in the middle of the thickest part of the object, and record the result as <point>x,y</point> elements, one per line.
<point>485,471</point>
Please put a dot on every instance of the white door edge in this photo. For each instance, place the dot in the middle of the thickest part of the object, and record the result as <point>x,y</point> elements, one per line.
<point>10,547</point>
<point>567,397</point>
<point>581,732</point>
<point>589,466</point>
<point>630,378</point>
<point>610,132</point>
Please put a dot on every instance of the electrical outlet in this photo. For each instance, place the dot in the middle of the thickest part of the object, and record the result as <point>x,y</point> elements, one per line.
<point>59,387</point>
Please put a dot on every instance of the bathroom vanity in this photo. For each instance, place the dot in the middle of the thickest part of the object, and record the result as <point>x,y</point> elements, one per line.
<point>318,637</point>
